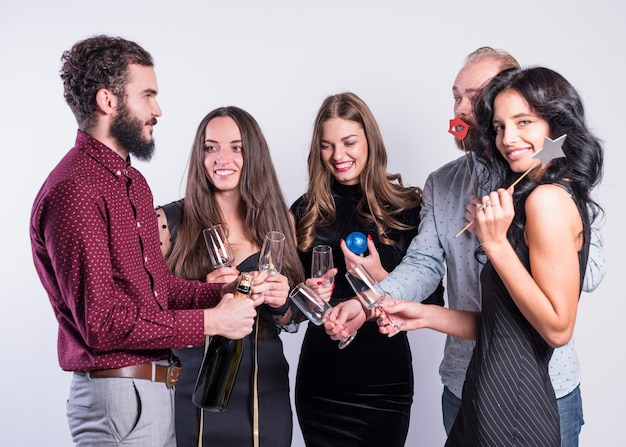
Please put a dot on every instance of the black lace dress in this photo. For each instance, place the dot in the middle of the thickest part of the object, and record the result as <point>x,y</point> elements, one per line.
<point>233,427</point>
<point>361,395</point>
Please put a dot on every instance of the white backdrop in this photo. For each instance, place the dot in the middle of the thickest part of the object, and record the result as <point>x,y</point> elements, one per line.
<point>279,60</point>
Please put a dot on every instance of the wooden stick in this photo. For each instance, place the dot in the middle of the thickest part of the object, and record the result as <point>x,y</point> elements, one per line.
<point>524,175</point>
<point>512,185</point>
<point>464,228</point>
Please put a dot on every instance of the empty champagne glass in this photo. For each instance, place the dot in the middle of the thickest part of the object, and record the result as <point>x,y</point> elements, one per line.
<point>316,309</point>
<point>371,294</point>
<point>271,258</point>
<point>220,251</point>
<point>321,264</point>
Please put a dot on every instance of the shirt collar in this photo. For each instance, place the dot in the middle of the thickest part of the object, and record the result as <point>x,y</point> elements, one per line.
<point>103,154</point>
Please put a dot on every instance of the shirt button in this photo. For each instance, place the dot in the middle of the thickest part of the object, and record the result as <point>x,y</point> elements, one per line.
<point>145,259</point>
<point>156,294</point>
<point>119,173</point>
<point>138,224</point>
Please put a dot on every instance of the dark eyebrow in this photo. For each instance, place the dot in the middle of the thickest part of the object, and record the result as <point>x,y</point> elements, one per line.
<point>519,115</point>
<point>524,114</point>
<point>347,137</point>
<point>468,90</point>
<point>342,139</point>
<point>208,140</point>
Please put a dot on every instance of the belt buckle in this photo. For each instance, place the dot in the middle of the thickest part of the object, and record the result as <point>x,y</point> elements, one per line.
<point>172,373</point>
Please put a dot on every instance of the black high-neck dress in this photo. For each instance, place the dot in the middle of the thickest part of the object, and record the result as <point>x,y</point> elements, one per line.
<point>360,395</point>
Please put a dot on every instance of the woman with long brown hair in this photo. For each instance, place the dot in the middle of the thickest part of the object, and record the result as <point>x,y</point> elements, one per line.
<point>360,395</point>
<point>231,181</point>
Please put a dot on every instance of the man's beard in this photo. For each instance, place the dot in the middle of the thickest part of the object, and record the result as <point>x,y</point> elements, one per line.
<point>127,131</point>
<point>470,141</point>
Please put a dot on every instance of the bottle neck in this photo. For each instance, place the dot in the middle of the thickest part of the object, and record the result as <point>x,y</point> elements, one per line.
<point>244,288</point>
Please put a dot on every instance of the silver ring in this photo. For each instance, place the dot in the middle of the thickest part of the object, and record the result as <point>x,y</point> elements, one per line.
<point>482,206</point>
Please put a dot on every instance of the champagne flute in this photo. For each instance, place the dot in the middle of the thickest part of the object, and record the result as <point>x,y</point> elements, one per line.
<point>220,251</point>
<point>271,258</point>
<point>370,293</point>
<point>321,264</point>
<point>316,309</point>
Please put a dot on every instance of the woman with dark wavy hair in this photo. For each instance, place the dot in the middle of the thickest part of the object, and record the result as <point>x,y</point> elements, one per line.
<point>231,181</point>
<point>360,395</point>
<point>536,242</point>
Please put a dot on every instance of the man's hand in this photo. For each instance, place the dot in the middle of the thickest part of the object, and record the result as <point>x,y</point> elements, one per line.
<point>232,318</point>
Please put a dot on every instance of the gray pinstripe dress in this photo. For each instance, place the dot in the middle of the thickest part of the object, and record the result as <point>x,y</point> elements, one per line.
<point>508,399</point>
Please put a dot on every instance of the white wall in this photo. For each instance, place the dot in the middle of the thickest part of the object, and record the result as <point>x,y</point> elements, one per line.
<point>279,60</point>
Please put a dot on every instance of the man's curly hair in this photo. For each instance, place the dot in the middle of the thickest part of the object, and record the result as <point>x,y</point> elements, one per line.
<point>96,63</point>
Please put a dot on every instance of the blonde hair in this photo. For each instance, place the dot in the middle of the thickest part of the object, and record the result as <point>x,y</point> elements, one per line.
<point>503,57</point>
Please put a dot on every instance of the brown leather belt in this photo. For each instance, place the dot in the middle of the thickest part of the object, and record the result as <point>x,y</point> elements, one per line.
<point>167,374</point>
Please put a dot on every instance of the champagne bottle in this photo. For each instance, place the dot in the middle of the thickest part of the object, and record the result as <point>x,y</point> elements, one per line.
<point>218,371</point>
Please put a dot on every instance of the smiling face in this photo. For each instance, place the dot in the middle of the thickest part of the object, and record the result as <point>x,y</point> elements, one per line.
<point>519,130</point>
<point>344,150</point>
<point>223,153</point>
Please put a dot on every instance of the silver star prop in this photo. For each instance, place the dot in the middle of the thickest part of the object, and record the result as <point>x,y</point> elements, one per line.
<point>551,149</point>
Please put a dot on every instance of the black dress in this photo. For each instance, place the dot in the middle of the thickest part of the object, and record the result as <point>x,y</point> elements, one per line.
<point>233,427</point>
<point>361,395</point>
<point>508,398</point>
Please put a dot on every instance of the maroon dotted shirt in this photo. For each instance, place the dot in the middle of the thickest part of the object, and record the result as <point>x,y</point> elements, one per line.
<point>96,249</point>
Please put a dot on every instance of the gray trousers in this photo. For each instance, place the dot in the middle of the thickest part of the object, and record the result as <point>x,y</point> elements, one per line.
<point>120,412</point>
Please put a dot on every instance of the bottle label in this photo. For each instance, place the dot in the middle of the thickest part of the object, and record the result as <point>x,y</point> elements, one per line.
<point>244,288</point>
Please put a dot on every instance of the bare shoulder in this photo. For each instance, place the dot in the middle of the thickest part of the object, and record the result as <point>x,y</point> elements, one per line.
<point>552,212</point>
<point>550,198</point>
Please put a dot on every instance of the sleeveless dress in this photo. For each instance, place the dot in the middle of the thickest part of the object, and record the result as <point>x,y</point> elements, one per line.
<point>233,427</point>
<point>508,397</point>
<point>360,395</point>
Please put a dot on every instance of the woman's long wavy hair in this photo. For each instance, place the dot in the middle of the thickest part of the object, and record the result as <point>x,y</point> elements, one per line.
<point>262,202</point>
<point>555,100</point>
<point>384,195</point>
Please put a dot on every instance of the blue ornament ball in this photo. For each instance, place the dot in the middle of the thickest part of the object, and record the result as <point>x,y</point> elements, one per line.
<point>356,242</point>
